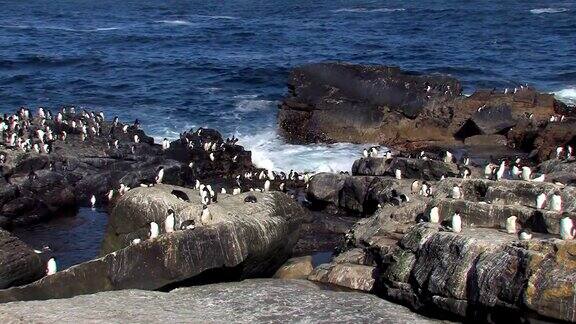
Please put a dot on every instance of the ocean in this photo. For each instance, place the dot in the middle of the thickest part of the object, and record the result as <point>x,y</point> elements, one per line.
<point>177,65</point>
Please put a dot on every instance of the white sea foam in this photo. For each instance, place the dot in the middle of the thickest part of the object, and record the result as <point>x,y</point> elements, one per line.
<point>548,10</point>
<point>567,95</point>
<point>250,105</point>
<point>271,152</point>
<point>60,28</point>
<point>360,10</point>
<point>174,22</point>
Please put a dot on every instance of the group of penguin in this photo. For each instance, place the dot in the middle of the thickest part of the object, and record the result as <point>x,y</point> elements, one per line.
<point>493,172</point>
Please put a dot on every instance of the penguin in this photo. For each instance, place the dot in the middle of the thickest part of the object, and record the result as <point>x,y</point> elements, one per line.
<point>465,172</point>
<point>456,222</point>
<point>212,157</point>
<point>160,175</point>
<point>515,171</point>
<point>110,194</point>
<point>365,153</point>
<point>526,173</point>
<point>282,187</point>
<point>540,178</point>
<point>559,151</point>
<point>188,225</point>
<point>556,202</point>
<point>236,191</point>
<point>511,225</point>
<point>250,199</point>
<point>388,155</point>
<point>448,158</point>
<point>267,185</point>
<point>180,194</point>
<point>501,170</point>
<point>165,144</point>
<point>398,174</point>
<point>567,231</point>
<point>223,191</point>
<point>457,192</point>
<point>404,198</point>
<point>51,267</point>
<point>525,234</point>
<point>205,216</point>
<point>415,187</point>
<point>93,201</point>
<point>434,215</point>
<point>197,184</point>
<point>540,201</point>
<point>426,189</point>
<point>488,169</point>
<point>147,183</point>
<point>373,152</point>
<point>136,139</point>
<point>169,222</point>
<point>154,230</point>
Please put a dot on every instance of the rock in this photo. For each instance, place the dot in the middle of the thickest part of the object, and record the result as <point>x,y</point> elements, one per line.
<point>242,240</point>
<point>559,171</point>
<point>486,140</point>
<point>295,268</point>
<point>353,103</point>
<point>492,120</point>
<point>482,269</point>
<point>37,186</point>
<point>353,276</point>
<point>259,300</point>
<point>410,168</point>
<point>326,187</point>
<point>336,102</point>
<point>18,263</point>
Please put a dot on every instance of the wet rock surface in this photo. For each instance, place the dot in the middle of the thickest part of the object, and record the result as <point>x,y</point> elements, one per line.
<point>249,301</point>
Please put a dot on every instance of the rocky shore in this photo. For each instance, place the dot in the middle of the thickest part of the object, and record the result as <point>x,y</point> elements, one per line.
<point>197,211</point>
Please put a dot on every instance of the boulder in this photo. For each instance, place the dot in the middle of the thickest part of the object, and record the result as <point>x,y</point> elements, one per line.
<point>18,263</point>
<point>492,120</point>
<point>349,275</point>
<point>252,301</point>
<point>479,271</point>
<point>354,103</point>
<point>295,268</point>
<point>242,240</point>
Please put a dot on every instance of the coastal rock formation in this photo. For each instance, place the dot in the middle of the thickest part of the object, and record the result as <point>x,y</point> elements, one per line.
<point>240,240</point>
<point>258,300</point>
<point>481,269</point>
<point>36,185</point>
<point>330,102</point>
<point>18,262</point>
<point>336,102</point>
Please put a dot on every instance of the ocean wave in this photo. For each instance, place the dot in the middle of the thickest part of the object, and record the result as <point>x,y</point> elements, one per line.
<point>247,105</point>
<point>221,17</point>
<point>174,22</point>
<point>60,28</point>
<point>368,10</point>
<point>548,10</point>
<point>271,152</point>
<point>567,95</point>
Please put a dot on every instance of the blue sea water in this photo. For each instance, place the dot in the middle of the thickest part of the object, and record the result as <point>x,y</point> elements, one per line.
<point>224,64</point>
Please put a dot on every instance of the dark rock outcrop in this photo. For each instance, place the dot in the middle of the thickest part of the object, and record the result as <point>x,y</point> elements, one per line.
<point>335,102</point>
<point>19,264</point>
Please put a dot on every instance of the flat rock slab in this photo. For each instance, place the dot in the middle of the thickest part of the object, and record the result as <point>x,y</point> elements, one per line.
<point>249,301</point>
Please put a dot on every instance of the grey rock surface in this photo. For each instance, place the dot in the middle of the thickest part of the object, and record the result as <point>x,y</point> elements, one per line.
<point>249,301</point>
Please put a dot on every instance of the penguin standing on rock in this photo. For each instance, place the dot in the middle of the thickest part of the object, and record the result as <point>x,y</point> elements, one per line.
<point>567,230</point>
<point>415,187</point>
<point>160,175</point>
<point>434,215</point>
<point>456,222</point>
<point>525,234</point>
<point>556,202</point>
<point>170,221</point>
<point>154,230</point>
<point>540,201</point>
<point>457,192</point>
<point>398,174</point>
<point>205,216</point>
<point>51,267</point>
<point>188,225</point>
<point>511,225</point>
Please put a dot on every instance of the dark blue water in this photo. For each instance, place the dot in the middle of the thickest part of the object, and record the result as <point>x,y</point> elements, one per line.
<point>72,239</point>
<point>224,64</point>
